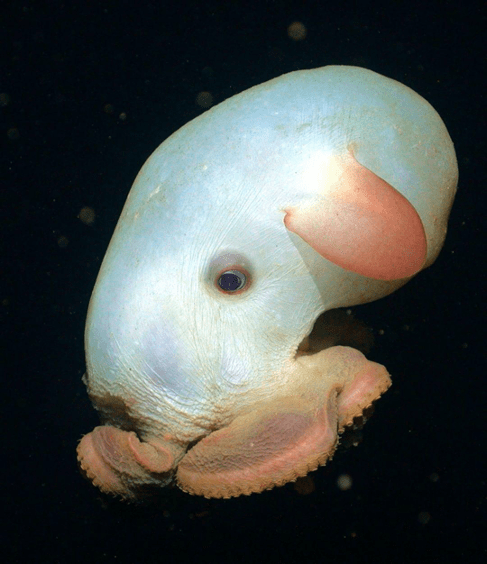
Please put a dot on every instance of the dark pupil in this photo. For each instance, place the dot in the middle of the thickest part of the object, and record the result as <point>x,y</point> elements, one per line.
<point>229,282</point>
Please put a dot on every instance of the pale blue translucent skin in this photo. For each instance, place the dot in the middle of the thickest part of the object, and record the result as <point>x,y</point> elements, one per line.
<point>159,335</point>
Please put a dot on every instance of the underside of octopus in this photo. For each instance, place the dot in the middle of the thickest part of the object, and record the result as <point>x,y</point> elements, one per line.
<point>273,444</point>
<point>213,355</point>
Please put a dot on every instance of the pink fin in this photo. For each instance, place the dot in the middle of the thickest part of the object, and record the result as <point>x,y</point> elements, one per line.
<point>362,224</point>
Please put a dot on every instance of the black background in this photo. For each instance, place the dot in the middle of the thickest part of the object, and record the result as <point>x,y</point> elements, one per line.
<point>418,491</point>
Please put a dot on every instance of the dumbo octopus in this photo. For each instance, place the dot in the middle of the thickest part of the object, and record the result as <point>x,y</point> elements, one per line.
<point>319,189</point>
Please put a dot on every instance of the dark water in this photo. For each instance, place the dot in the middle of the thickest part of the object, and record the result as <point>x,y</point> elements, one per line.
<point>87,92</point>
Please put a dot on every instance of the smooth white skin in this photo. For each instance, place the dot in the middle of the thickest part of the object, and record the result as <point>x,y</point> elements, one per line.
<point>183,355</point>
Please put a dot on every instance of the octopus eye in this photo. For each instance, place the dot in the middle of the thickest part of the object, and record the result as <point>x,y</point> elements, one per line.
<point>232,281</point>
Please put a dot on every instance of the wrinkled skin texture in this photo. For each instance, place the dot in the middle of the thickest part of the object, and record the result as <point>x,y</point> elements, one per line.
<point>317,190</point>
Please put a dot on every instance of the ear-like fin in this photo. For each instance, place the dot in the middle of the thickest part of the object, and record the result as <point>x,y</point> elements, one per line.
<point>361,223</point>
